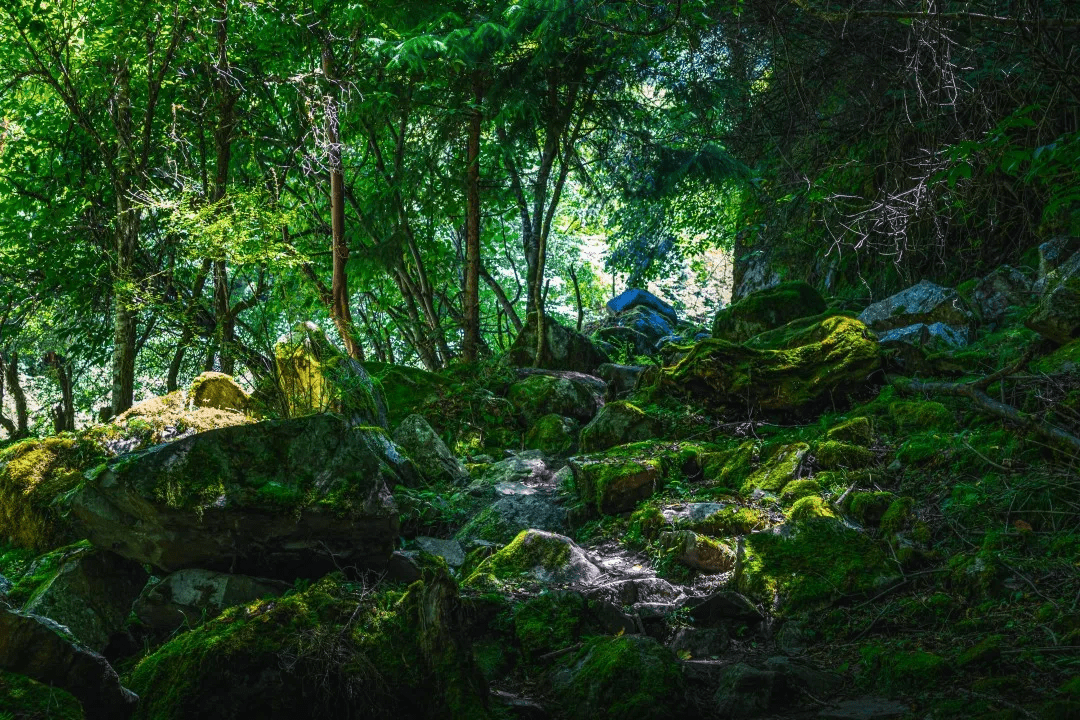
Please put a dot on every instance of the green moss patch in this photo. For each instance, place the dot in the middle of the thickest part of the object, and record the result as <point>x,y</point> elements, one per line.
<point>767,309</point>
<point>24,699</point>
<point>778,470</point>
<point>836,455</point>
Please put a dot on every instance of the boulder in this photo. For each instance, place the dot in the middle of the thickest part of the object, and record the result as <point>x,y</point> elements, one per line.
<point>802,676</point>
<point>615,485</point>
<point>287,498</point>
<point>634,297</point>
<point>935,338</point>
<point>618,423</point>
<point>784,465</point>
<point>700,642</point>
<point>1002,289</point>
<point>543,557</point>
<point>567,394</point>
<point>640,327</point>
<point>187,597</point>
<point>90,593</point>
<point>699,552</point>
<point>631,676</point>
<point>449,550</point>
<point>316,377</point>
<point>44,651</point>
<point>564,349</point>
<point>724,605</point>
<point>219,391</point>
<point>1052,254</point>
<point>429,453</point>
<point>865,708</point>
<point>635,591</point>
<point>518,507</point>
<point>625,340</point>
<point>746,691</point>
<point>806,367</point>
<point>767,309</point>
<point>925,303</point>
<point>552,434</point>
<point>620,379</point>
<point>5,587</point>
<point>407,389</point>
<point>1057,316</point>
<point>531,467</point>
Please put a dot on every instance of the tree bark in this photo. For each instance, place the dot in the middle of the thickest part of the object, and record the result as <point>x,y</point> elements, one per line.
<point>64,415</point>
<point>223,134</point>
<point>20,427</point>
<point>128,217</point>
<point>471,300</point>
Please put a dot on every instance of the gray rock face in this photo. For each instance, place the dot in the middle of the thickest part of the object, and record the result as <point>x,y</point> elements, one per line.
<point>286,499</point>
<point>640,327</point>
<point>633,591</point>
<point>724,605</point>
<point>620,379</point>
<point>924,303</point>
<point>699,552</point>
<point>937,336</point>
<point>568,394</point>
<point>517,508</point>
<point>618,423</point>
<point>429,453</point>
<point>44,651</point>
<point>91,594</point>
<point>1002,289</point>
<point>1052,254</point>
<point>632,298</point>
<point>1058,315</point>
<point>700,642</point>
<point>5,587</point>
<point>746,691</point>
<point>564,349</point>
<point>186,597</point>
<point>449,550</point>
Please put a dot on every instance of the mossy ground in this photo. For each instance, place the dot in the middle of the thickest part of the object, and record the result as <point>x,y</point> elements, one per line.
<point>24,699</point>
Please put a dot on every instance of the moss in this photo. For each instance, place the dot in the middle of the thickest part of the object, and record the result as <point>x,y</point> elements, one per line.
<point>24,699</point>
<point>857,431</point>
<point>631,677</point>
<point>217,390</point>
<point>646,522</point>
<point>614,485</point>
<point>729,468</point>
<point>810,508</point>
<point>835,455</point>
<point>984,652</point>
<point>1064,359</point>
<point>767,309</point>
<point>869,507</point>
<point>407,389</point>
<point>898,514</point>
<point>552,434</point>
<point>618,423</point>
<point>917,415</point>
<point>776,472</point>
<point>903,670</point>
<point>799,489</point>
<point>732,520</point>
<point>822,560</point>
<point>530,550</point>
<point>41,571</point>
<point>548,622</point>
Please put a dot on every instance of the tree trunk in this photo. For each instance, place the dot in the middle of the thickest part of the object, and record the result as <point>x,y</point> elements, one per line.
<point>64,414</point>
<point>128,218</point>
<point>20,427</point>
<point>471,301</point>
<point>223,133</point>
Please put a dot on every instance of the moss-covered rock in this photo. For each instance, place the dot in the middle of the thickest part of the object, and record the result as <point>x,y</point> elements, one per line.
<point>1057,316</point>
<point>836,455</point>
<point>539,394</point>
<point>407,389</point>
<point>810,507</point>
<point>857,431</point>
<point>904,669</point>
<point>767,309</point>
<point>537,556</point>
<point>1063,360</point>
<point>613,484</point>
<point>918,415</point>
<point>513,512</point>
<point>24,699</point>
<point>799,489</point>
<point>869,507</point>
<point>430,454</point>
<point>716,519</point>
<point>823,361</point>
<point>564,349</point>
<point>320,653</point>
<point>552,434</point>
<point>729,468</point>
<point>699,552</point>
<point>550,621</point>
<point>219,391</point>
<point>631,677</point>
<point>618,423</point>
<point>778,470</point>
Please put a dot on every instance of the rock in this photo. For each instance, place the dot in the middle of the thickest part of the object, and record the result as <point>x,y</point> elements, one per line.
<point>531,468</point>
<point>448,550</point>
<point>5,587</point>
<point>633,591</point>
<point>544,557</point>
<point>316,377</point>
<point>1002,289</point>
<point>699,552</point>
<point>615,485</point>
<point>43,650</point>
<point>219,391</point>
<point>1057,316</point>
<point>1052,254</point>
<point>621,379</point>
<point>700,642</point>
<point>791,639</point>
<point>429,453</point>
<point>564,349</point>
<point>633,298</point>
<point>290,498</point>
<point>767,309</point>
<point>188,597</point>
<point>402,567</point>
<point>91,594</point>
<point>618,423</point>
<point>631,677</point>
<point>647,325</point>
<point>517,707</point>
<point>784,465</point>
<point>856,431</point>
<point>516,509</point>
<point>407,389</point>
<point>925,303</point>
<point>836,455</point>
<point>568,394</point>
<point>754,271</point>
<point>746,691</point>
<point>803,677</point>
<point>809,366</point>
<point>724,605</point>
<point>935,338</point>
<point>625,340</point>
<point>865,708</point>
<point>552,434</point>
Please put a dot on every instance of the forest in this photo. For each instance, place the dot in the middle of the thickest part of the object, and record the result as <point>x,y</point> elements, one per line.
<point>540,359</point>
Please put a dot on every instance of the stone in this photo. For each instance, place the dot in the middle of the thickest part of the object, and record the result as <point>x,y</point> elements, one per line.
<point>188,597</point>
<point>724,605</point>
<point>1052,254</point>
<point>634,297</point>
<point>531,467</point>
<point>615,485</point>
<point>631,677</point>
<point>219,391</point>
<point>865,708</point>
<point>1002,289</point>
<point>5,587</point>
<point>700,643</point>
<point>91,594</point>
<point>407,389</point>
<point>44,651</point>
<point>403,568</point>
<point>626,340</point>
<point>429,453</point>
<point>618,423</point>
<point>937,337</point>
<point>552,434</point>
<point>282,498</point>
<point>856,431</point>
<point>513,512</point>
<point>648,325</point>
<point>746,691</point>
<point>316,377</point>
<point>767,309</point>
<point>754,271</point>
<point>449,550</point>
<point>544,557</point>
<point>620,379</point>
<point>807,366</point>
<point>571,395</point>
<point>564,349</point>
<point>804,677</point>
<point>924,303</point>
<point>1057,315</point>
<point>784,465</point>
<point>633,591</point>
<point>699,552</point>
<point>791,638</point>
